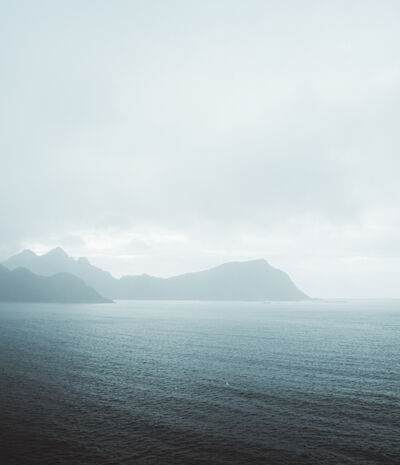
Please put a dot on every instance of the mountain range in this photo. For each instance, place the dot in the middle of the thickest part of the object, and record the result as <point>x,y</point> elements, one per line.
<point>251,280</point>
<point>21,285</point>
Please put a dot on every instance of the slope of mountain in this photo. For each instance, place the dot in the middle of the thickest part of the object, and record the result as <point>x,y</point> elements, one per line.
<point>252,280</point>
<point>21,285</point>
<point>57,261</point>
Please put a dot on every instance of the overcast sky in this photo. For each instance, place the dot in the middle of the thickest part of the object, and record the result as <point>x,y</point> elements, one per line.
<point>171,136</point>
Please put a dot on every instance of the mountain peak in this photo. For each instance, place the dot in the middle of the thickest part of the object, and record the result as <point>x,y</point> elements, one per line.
<point>257,263</point>
<point>57,252</point>
<point>27,253</point>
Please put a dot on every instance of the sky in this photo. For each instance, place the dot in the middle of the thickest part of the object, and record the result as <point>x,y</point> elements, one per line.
<point>169,136</point>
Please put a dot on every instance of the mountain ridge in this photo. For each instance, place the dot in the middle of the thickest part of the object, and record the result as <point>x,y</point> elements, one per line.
<point>21,285</point>
<point>250,280</point>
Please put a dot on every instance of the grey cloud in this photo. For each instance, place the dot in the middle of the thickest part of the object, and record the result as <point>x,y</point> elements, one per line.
<point>214,119</point>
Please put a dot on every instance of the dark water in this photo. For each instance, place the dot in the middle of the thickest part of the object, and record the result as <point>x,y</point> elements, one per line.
<point>206,383</point>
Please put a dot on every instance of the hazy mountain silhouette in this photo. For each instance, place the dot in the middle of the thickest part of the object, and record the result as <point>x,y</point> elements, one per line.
<point>21,285</point>
<point>57,261</point>
<point>252,280</point>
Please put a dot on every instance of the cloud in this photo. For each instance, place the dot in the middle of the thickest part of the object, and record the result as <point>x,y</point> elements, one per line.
<point>216,122</point>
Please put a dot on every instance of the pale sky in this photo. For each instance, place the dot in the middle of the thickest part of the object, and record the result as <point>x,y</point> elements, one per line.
<point>169,136</point>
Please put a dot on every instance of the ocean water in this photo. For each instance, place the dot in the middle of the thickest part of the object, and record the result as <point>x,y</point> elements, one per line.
<point>200,383</point>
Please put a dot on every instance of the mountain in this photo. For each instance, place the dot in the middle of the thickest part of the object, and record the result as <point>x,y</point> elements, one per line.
<point>57,261</point>
<point>251,280</point>
<point>21,285</point>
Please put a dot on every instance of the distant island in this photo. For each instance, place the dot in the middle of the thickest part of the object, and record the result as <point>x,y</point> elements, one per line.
<point>21,285</point>
<point>253,280</point>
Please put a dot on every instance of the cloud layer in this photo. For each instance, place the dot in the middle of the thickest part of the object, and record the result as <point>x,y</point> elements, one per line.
<point>169,136</point>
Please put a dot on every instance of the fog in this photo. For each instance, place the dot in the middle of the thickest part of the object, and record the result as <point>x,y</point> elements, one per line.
<point>171,136</point>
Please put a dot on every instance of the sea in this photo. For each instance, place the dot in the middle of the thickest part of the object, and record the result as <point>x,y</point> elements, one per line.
<point>155,382</point>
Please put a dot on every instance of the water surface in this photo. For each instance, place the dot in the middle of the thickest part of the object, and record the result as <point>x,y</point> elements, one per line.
<point>200,382</point>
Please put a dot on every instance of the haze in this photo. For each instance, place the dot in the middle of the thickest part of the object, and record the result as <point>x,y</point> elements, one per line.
<point>169,136</point>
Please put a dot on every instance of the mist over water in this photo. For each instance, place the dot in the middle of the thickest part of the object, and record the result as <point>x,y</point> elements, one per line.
<point>189,382</point>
